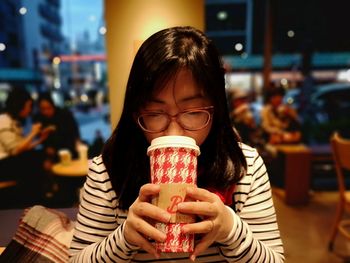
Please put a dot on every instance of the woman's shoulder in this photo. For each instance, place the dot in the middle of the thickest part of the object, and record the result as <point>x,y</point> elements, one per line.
<point>5,117</point>
<point>248,151</point>
<point>5,120</point>
<point>96,166</point>
<point>97,174</point>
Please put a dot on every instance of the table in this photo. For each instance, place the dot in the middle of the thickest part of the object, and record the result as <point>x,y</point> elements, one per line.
<point>296,161</point>
<point>70,178</point>
<point>76,168</point>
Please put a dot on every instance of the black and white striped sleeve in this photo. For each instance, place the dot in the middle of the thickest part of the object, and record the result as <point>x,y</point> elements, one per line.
<point>255,236</point>
<point>98,234</point>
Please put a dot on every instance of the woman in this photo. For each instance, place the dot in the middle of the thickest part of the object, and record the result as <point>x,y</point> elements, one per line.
<point>18,158</point>
<point>279,122</point>
<point>177,74</point>
<point>64,128</point>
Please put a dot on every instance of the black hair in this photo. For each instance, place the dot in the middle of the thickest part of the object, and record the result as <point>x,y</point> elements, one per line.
<point>160,57</point>
<point>15,101</point>
<point>273,91</point>
<point>47,97</point>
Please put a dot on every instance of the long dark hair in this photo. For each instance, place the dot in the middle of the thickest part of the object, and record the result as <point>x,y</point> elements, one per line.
<point>160,57</point>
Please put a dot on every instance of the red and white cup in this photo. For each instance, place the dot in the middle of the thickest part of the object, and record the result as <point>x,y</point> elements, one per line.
<point>173,161</point>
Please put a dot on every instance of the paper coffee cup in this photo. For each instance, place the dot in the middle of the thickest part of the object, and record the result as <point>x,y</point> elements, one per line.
<point>65,156</point>
<point>82,152</point>
<point>173,161</point>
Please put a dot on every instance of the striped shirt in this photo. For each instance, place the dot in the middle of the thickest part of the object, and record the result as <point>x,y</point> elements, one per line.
<point>255,237</point>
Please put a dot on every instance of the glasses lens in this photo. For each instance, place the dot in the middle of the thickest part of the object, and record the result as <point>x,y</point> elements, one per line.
<point>194,120</point>
<point>153,122</point>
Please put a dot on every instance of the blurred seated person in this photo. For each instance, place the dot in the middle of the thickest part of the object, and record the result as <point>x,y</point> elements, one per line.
<point>279,122</point>
<point>243,119</point>
<point>65,131</point>
<point>97,145</point>
<point>19,160</point>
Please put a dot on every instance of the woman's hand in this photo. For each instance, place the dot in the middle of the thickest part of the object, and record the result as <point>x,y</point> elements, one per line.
<point>45,132</point>
<point>138,225</point>
<point>217,220</point>
<point>36,129</point>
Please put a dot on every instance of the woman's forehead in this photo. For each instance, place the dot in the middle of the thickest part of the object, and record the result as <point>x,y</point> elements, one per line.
<point>181,86</point>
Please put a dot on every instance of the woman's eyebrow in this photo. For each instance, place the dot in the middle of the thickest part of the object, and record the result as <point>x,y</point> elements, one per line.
<point>193,97</point>
<point>185,99</point>
<point>155,100</point>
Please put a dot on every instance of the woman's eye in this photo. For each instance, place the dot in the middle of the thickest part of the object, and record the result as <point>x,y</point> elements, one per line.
<point>154,115</point>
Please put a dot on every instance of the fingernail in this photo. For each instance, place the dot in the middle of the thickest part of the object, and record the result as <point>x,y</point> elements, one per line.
<point>167,217</point>
<point>164,238</point>
<point>193,258</point>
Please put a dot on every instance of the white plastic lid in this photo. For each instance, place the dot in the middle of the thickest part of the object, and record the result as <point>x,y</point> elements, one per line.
<point>173,141</point>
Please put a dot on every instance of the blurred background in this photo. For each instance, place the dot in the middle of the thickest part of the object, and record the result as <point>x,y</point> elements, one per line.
<point>59,46</point>
<point>301,47</point>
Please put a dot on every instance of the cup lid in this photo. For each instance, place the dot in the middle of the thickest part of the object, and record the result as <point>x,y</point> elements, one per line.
<point>173,141</point>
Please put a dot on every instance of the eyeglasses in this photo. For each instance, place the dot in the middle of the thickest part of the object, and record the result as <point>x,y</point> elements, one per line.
<point>191,119</point>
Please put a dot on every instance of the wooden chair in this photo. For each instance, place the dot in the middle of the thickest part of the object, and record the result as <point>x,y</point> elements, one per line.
<point>341,156</point>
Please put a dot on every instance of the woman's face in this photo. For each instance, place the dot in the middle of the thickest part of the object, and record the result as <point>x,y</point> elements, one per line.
<point>276,100</point>
<point>180,93</point>
<point>46,108</point>
<point>27,109</point>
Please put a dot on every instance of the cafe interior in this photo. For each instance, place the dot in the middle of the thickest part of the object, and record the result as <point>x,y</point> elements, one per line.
<point>309,180</point>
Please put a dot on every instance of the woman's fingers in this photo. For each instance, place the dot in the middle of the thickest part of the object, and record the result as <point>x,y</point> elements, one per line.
<point>207,206</point>
<point>202,227</point>
<point>203,209</point>
<point>143,243</point>
<point>201,194</point>
<point>147,191</point>
<point>138,225</point>
<point>146,229</point>
<point>205,242</point>
<point>147,210</point>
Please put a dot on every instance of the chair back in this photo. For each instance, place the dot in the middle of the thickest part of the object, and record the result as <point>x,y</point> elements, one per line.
<point>341,156</point>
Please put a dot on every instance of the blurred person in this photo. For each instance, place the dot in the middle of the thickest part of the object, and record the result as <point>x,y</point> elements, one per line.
<point>279,122</point>
<point>19,160</point>
<point>64,133</point>
<point>176,86</point>
<point>97,144</point>
<point>243,120</point>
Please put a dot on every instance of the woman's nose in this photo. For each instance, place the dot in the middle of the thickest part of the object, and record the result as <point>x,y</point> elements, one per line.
<point>174,128</point>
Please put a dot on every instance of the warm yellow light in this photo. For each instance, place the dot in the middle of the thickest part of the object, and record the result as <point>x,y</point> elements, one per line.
<point>56,60</point>
<point>84,98</point>
<point>153,26</point>
<point>284,82</point>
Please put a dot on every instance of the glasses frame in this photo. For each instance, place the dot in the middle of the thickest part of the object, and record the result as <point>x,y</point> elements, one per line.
<point>208,109</point>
